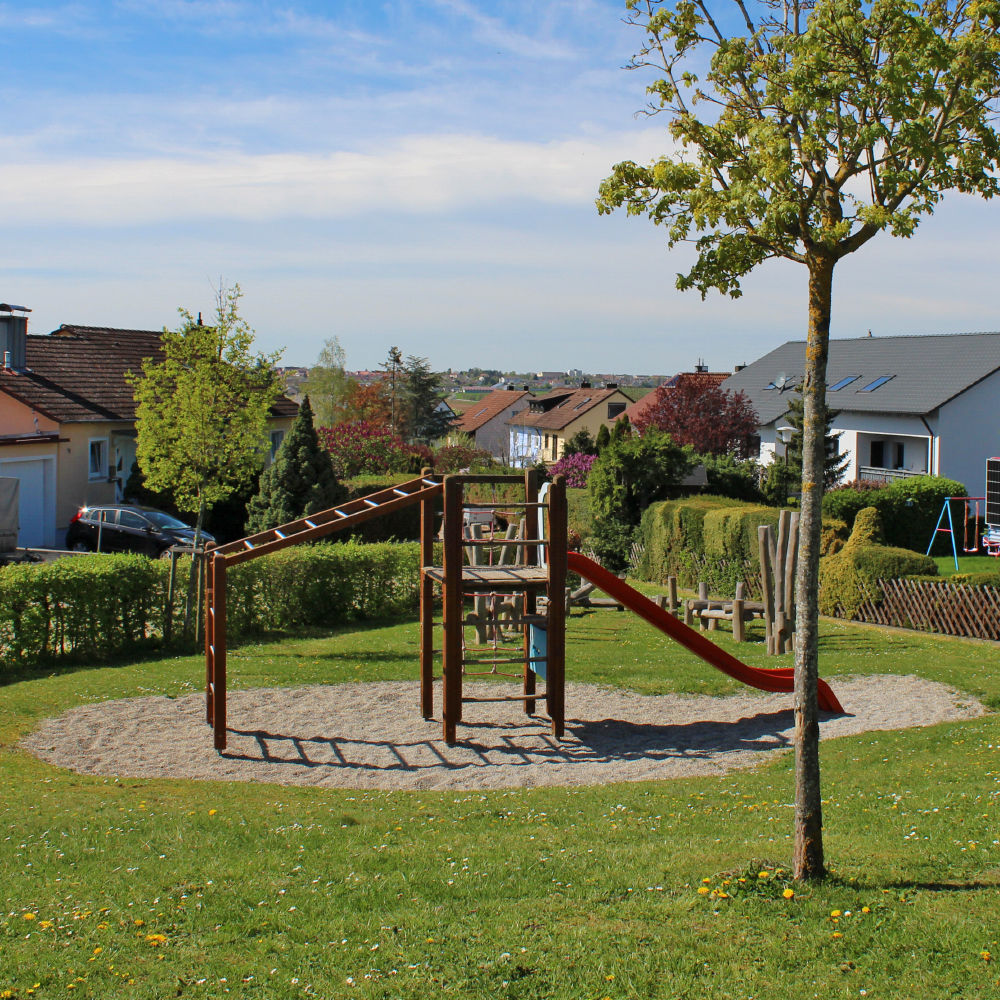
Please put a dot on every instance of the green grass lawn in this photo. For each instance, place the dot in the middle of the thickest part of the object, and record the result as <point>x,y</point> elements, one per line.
<point>155,888</point>
<point>967,564</point>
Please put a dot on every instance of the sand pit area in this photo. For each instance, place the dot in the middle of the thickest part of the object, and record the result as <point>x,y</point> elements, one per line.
<point>371,735</point>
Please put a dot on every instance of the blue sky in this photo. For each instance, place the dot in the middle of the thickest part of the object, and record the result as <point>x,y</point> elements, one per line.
<point>419,173</point>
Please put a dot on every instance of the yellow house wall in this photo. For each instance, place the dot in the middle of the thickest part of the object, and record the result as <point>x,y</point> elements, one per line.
<point>591,421</point>
<point>18,418</point>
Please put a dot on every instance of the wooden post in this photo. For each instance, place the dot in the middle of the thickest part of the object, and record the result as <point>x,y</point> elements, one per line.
<point>219,658</point>
<point>209,647</point>
<point>661,601</point>
<point>202,564</point>
<point>168,616</point>
<point>426,607</point>
<point>738,620</point>
<point>790,562</point>
<point>702,596</point>
<point>672,592</point>
<point>509,550</point>
<point>555,672</point>
<point>766,582</point>
<point>689,613</point>
<point>452,600</point>
<point>780,589</point>
<point>477,557</point>
<point>529,529</point>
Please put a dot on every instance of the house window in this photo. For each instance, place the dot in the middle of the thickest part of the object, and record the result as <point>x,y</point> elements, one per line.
<point>837,386</point>
<point>900,455</point>
<point>878,455</point>
<point>872,386</point>
<point>614,409</point>
<point>276,438</point>
<point>555,446</point>
<point>99,459</point>
<point>546,440</point>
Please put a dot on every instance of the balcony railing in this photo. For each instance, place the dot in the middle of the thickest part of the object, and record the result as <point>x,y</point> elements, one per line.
<point>886,475</point>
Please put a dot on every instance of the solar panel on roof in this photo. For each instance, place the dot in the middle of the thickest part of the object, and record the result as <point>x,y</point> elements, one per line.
<point>872,386</point>
<point>843,382</point>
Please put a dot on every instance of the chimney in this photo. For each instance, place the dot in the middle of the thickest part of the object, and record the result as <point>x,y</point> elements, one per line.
<point>585,385</point>
<point>13,336</point>
<point>512,388</point>
<point>739,368</point>
<point>610,385</point>
<point>701,366</point>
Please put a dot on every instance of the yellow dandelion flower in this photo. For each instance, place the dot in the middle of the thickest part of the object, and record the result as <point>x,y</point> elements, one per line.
<point>155,940</point>
<point>835,913</point>
<point>703,891</point>
<point>609,978</point>
<point>763,875</point>
<point>788,893</point>
<point>45,924</point>
<point>985,956</point>
<point>706,880</point>
<point>6,994</point>
<point>837,934</point>
<point>866,909</point>
<point>723,895</point>
<point>139,923</point>
<point>97,951</point>
<point>30,916</point>
<point>71,986</point>
<point>212,812</point>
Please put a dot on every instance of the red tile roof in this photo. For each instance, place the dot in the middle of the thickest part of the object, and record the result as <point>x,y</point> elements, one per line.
<point>78,374</point>
<point>475,415</point>
<point>561,414</point>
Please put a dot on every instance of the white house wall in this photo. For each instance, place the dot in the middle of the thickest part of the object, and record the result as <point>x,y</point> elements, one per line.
<point>494,435</point>
<point>969,428</point>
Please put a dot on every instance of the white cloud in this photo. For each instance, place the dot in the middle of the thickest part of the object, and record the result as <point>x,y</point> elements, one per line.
<point>417,174</point>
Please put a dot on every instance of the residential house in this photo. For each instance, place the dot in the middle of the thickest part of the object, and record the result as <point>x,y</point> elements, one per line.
<point>486,420</point>
<point>701,375</point>
<point>540,431</point>
<point>907,405</point>
<point>67,420</point>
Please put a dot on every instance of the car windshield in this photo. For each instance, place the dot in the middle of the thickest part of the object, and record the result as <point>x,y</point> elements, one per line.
<point>161,520</point>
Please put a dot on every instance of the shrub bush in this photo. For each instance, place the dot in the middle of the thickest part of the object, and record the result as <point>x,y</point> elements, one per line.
<point>906,527</point>
<point>101,606</point>
<point>363,448</point>
<point>576,468</point>
<point>733,477</point>
<point>711,538</point>
<point>850,577</point>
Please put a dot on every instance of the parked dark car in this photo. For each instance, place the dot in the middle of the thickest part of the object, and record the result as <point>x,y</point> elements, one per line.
<point>128,528</point>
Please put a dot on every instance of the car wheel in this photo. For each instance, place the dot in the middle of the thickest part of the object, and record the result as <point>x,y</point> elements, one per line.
<point>81,546</point>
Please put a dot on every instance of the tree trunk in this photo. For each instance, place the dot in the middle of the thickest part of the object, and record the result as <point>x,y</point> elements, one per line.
<point>193,575</point>
<point>808,859</point>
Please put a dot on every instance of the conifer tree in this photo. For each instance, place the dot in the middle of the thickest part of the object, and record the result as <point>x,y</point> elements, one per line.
<point>300,480</point>
<point>834,463</point>
<point>603,437</point>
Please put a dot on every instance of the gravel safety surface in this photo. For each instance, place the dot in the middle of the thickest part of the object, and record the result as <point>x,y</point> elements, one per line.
<point>372,736</point>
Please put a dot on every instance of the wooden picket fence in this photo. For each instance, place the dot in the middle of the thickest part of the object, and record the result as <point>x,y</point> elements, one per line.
<point>945,608</point>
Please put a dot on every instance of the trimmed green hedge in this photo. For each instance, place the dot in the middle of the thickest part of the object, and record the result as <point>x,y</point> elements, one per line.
<point>850,577</point>
<point>710,538</point>
<point>98,607</point>
<point>906,527</point>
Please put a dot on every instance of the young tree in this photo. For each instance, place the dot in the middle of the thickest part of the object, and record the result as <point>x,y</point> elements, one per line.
<point>328,385</point>
<point>711,419</point>
<point>603,437</point>
<point>422,400</point>
<point>202,410</point>
<point>394,373</point>
<point>834,463</point>
<point>828,122</point>
<point>581,443</point>
<point>369,403</point>
<point>299,482</point>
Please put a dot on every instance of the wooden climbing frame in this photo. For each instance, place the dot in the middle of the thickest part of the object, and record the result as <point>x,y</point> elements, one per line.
<point>526,577</point>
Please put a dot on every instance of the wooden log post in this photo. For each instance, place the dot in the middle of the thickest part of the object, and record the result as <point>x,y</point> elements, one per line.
<point>168,611</point>
<point>529,557</point>
<point>672,592</point>
<point>660,601</point>
<point>766,582</point>
<point>791,561</point>
<point>702,596</point>
<point>555,673</point>
<point>689,613</point>
<point>209,647</point>
<point>780,560</point>
<point>452,601</point>
<point>219,657</point>
<point>426,606</point>
<point>738,634</point>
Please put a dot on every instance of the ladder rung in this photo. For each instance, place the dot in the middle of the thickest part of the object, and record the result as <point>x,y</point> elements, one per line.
<point>515,659</point>
<point>511,697</point>
<point>280,534</point>
<point>430,482</point>
<point>402,493</point>
<point>371,503</point>
<point>310,523</point>
<point>337,510</point>
<point>248,543</point>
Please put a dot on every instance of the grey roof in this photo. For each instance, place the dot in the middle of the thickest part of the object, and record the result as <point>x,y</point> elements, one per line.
<point>927,372</point>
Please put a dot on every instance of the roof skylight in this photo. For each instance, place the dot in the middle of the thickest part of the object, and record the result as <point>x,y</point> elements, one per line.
<point>872,386</point>
<point>584,403</point>
<point>843,383</point>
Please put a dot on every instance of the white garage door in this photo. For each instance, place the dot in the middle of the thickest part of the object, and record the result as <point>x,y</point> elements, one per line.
<point>32,505</point>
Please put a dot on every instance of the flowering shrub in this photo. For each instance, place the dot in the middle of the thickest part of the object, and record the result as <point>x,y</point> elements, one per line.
<point>360,447</point>
<point>576,469</point>
<point>859,485</point>
<point>452,458</point>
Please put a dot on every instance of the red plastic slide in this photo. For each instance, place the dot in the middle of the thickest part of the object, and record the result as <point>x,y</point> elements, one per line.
<point>766,680</point>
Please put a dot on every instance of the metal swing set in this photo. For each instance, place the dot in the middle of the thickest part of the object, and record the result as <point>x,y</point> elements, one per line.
<point>990,537</point>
